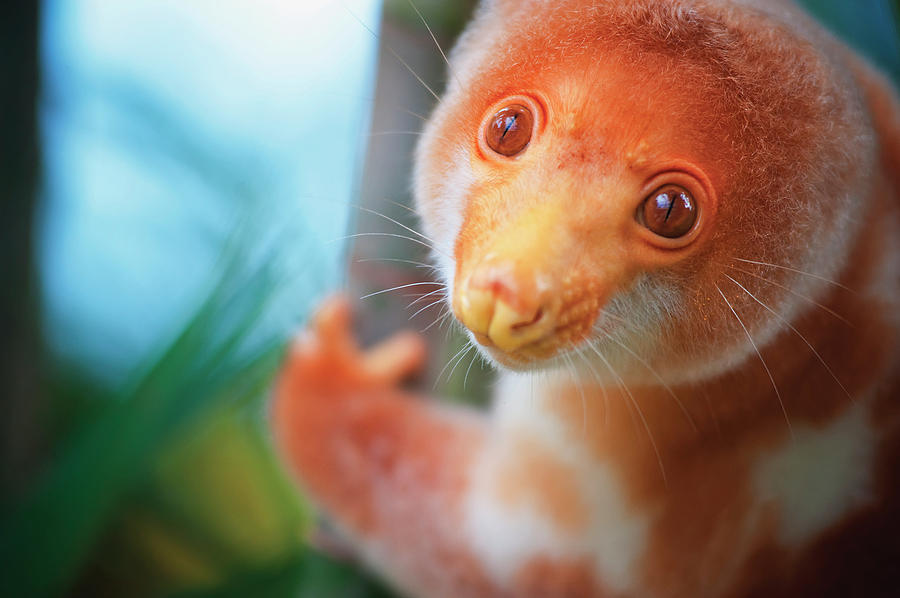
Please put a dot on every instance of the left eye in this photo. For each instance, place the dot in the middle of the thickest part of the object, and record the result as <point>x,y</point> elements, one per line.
<point>509,131</point>
<point>669,212</point>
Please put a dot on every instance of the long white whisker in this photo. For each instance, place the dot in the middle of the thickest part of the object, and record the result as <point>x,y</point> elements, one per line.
<point>602,388</point>
<point>416,114</point>
<point>403,286</point>
<point>414,73</point>
<point>451,360</point>
<point>793,292</point>
<point>398,260</point>
<point>796,271</point>
<point>662,468</point>
<point>580,386</point>
<point>400,224</point>
<point>440,318</point>
<point>421,298</point>
<point>399,205</point>
<point>459,359</point>
<point>385,133</point>
<point>763,361</point>
<point>432,304</point>
<point>668,388</point>
<point>597,378</point>
<point>614,316</point>
<point>431,33</point>
<point>468,369</point>
<point>448,319</point>
<point>397,56</point>
<point>803,338</point>
<point>394,235</point>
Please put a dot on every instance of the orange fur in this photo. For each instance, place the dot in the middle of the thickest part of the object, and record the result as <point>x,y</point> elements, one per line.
<point>718,414</point>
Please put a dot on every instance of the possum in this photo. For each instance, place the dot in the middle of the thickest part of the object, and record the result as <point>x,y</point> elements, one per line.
<point>674,226</point>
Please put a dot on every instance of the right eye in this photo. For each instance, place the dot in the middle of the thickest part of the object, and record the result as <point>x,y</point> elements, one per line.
<point>669,212</point>
<point>509,131</point>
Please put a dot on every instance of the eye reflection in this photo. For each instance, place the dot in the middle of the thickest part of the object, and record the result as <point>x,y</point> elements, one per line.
<point>670,212</point>
<point>509,131</point>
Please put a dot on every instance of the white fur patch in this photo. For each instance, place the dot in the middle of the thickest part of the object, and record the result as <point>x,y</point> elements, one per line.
<point>820,476</point>
<point>505,538</point>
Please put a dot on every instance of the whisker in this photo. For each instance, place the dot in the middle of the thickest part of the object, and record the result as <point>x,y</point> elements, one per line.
<point>401,225</point>
<point>391,50</point>
<point>668,388</point>
<point>796,271</point>
<point>403,286</point>
<point>416,114</point>
<point>580,387</point>
<point>614,316</point>
<point>601,385</point>
<point>451,360</point>
<point>385,133</point>
<point>394,259</point>
<point>440,318</point>
<point>431,33</point>
<point>460,360</point>
<point>763,361</point>
<point>599,382</point>
<point>621,383</point>
<point>449,320</point>
<point>432,304</point>
<point>400,205</point>
<point>424,296</point>
<point>394,235</point>
<point>414,74</point>
<point>793,292</point>
<point>803,338</point>
<point>468,369</point>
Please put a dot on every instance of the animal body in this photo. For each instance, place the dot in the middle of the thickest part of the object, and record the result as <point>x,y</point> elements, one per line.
<point>675,227</point>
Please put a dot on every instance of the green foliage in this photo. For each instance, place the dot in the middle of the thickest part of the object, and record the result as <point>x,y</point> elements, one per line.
<point>176,466</point>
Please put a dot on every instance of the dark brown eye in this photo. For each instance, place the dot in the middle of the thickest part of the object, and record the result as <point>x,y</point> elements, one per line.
<point>670,212</point>
<point>509,131</point>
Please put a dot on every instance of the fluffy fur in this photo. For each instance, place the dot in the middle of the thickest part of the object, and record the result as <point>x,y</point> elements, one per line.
<point>716,416</point>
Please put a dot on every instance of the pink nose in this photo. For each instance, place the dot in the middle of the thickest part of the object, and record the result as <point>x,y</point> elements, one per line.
<point>506,305</point>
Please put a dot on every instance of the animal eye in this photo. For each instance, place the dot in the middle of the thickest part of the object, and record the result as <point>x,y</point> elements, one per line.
<point>669,212</point>
<point>509,131</point>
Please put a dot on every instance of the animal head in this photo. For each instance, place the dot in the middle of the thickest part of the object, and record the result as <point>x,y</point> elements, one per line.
<point>598,171</point>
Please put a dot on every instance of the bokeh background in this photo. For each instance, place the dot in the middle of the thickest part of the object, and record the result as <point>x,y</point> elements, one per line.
<point>182,183</point>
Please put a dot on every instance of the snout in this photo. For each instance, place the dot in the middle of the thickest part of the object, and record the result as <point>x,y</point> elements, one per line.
<point>507,307</point>
<point>522,294</point>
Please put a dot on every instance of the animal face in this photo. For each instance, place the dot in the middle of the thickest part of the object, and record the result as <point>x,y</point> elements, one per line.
<point>620,198</point>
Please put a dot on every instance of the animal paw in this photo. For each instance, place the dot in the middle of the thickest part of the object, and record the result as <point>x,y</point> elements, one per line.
<point>327,358</point>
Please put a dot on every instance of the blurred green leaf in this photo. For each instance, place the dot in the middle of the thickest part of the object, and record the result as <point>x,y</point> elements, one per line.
<point>50,535</point>
<point>309,575</point>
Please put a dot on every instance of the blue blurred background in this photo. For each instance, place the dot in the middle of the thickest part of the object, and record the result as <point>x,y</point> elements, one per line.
<point>180,186</point>
<point>165,122</point>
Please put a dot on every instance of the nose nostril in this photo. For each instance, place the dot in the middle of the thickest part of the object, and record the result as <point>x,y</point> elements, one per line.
<point>537,318</point>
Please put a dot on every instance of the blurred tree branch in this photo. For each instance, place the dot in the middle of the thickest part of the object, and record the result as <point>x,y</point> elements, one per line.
<point>19,170</point>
